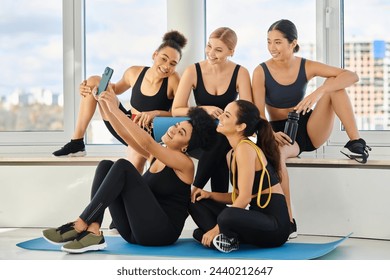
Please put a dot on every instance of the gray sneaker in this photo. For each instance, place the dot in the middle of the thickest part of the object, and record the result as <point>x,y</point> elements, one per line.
<point>60,235</point>
<point>86,241</point>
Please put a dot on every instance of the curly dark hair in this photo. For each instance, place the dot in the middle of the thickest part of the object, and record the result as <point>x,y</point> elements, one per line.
<point>175,40</point>
<point>203,129</point>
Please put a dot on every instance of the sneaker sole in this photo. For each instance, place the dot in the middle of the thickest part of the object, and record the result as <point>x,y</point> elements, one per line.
<point>78,154</point>
<point>85,249</point>
<point>216,245</point>
<point>358,157</point>
<point>293,235</point>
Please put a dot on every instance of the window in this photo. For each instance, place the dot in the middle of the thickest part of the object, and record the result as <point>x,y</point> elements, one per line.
<point>375,54</point>
<point>251,20</point>
<point>126,36</point>
<point>368,40</point>
<point>31,90</point>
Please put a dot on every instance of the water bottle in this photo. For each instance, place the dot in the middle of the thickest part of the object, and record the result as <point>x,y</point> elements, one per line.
<point>291,126</point>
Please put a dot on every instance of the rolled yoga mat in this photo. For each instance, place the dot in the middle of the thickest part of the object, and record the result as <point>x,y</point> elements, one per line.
<point>161,125</point>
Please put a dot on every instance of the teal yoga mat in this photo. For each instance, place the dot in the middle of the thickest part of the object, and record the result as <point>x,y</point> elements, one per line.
<point>189,248</point>
<point>161,125</point>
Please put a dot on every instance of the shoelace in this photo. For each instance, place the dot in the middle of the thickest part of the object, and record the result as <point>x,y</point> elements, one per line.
<point>367,148</point>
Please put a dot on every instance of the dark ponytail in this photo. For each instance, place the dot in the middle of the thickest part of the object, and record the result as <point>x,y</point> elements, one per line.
<point>267,143</point>
<point>255,125</point>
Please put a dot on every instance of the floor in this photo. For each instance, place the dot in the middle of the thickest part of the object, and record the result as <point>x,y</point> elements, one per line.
<point>351,249</point>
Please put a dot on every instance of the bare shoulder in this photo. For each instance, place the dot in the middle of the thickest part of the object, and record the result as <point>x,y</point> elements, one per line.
<point>243,71</point>
<point>174,78</point>
<point>131,74</point>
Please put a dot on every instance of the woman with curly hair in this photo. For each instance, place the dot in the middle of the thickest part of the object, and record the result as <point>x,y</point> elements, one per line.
<point>148,209</point>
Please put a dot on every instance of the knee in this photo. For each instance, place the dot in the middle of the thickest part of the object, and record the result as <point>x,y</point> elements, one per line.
<point>93,80</point>
<point>226,217</point>
<point>105,163</point>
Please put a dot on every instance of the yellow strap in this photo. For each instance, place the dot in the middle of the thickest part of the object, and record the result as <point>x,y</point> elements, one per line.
<point>264,171</point>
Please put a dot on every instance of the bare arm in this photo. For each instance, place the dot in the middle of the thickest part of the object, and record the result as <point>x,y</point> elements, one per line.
<point>244,85</point>
<point>180,104</point>
<point>178,161</point>
<point>338,79</point>
<point>258,88</point>
<point>127,79</point>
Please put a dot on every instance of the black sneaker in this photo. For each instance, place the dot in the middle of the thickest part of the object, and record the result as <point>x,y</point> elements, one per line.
<point>225,244</point>
<point>85,241</point>
<point>75,148</point>
<point>293,230</point>
<point>60,235</point>
<point>357,150</point>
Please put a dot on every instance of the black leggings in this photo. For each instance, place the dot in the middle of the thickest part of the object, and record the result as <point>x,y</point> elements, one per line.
<point>134,209</point>
<point>212,165</point>
<point>249,226</point>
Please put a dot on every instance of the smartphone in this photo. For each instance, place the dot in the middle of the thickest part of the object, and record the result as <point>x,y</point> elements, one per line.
<point>105,80</point>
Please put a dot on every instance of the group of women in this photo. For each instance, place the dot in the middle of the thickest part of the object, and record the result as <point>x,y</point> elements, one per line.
<point>242,147</point>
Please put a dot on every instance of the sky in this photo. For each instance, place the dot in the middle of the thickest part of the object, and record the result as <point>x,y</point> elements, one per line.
<point>31,42</point>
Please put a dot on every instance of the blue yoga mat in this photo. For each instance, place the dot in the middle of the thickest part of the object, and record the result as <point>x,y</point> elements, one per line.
<point>189,248</point>
<point>161,125</point>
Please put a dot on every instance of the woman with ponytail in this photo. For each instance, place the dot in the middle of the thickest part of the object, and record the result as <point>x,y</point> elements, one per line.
<point>258,213</point>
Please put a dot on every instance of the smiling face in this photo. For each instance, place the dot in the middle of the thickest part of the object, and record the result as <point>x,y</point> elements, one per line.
<point>278,46</point>
<point>165,61</point>
<point>217,51</point>
<point>228,120</point>
<point>178,136</point>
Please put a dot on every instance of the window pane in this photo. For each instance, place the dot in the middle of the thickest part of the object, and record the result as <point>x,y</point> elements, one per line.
<point>367,52</point>
<point>31,88</point>
<point>251,20</point>
<point>126,36</point>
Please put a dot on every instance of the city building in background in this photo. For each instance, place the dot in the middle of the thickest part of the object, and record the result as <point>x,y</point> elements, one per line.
<point>371,95</point>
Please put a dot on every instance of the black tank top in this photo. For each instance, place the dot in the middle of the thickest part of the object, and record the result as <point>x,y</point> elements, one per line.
<point>281,96</point>
<point>172,194</point>
<point>202,97</point>
<point>144,103</point>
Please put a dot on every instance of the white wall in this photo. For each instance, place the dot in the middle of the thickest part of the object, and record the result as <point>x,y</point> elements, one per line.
<point>326,201</point>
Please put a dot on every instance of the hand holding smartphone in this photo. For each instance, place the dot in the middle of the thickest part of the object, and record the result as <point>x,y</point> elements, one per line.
<point>105,80</point>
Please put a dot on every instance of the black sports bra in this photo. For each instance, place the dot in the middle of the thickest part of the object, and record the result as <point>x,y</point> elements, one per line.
<point>281,96</point>
<point>144,103</point>
<point>202,97</point>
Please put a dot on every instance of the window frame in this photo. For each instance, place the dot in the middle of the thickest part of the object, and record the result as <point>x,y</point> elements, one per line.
<point>329,50</point>
<point>330,39</point>
<point>71,17</point>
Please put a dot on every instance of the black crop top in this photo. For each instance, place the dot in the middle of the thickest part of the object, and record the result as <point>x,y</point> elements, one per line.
<point>172,194</point>
<point>281,96</point>
<point>144,103</point>
<point>202,97</point>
